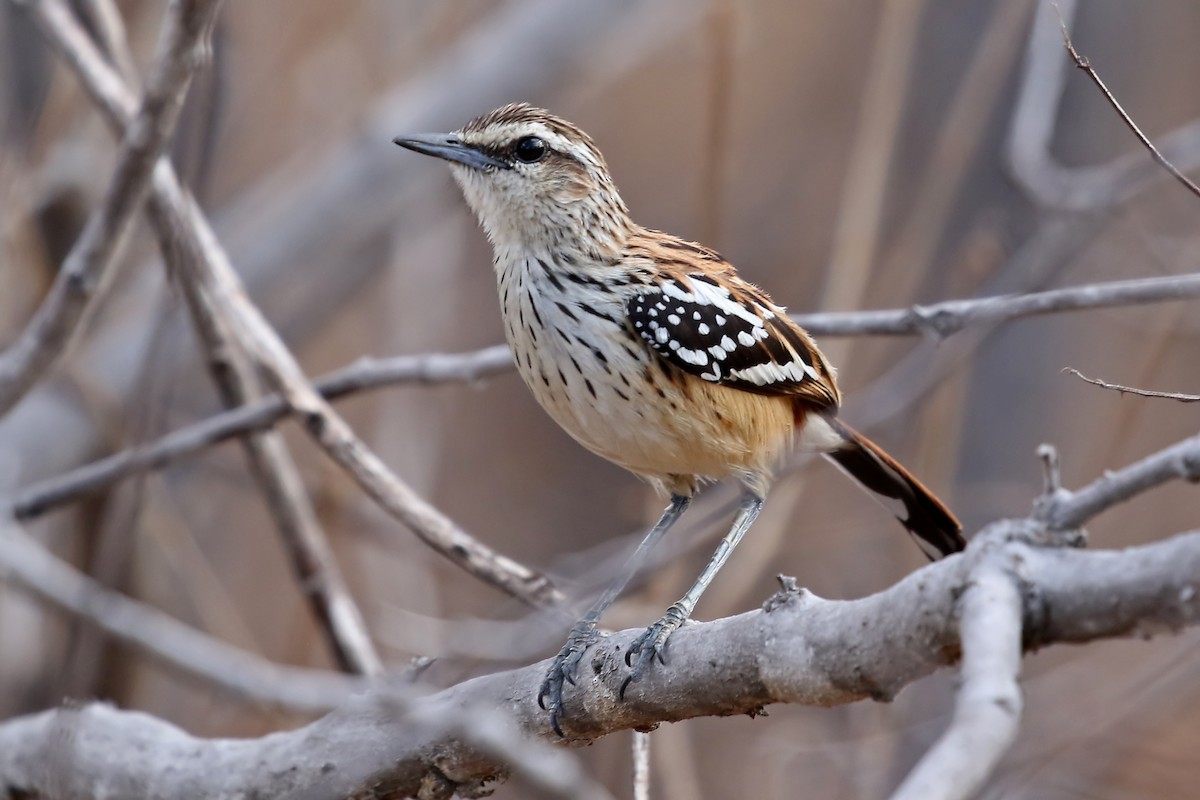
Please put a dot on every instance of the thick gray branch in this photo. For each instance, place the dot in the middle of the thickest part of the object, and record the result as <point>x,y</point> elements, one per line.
<point>798,649</point>
<point>87,266</point>
<point>988,708</point>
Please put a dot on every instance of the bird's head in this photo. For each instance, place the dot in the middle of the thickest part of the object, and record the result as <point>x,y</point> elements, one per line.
<point>534,181</point>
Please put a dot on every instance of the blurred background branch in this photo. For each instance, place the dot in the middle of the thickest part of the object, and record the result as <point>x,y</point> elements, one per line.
<point>86,270</point>
<point>267,456</point>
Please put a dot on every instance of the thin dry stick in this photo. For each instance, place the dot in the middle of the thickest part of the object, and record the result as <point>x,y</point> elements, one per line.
<point>864,188</point>
<point>316,569</point>
<point>271,466</point>
<point>1183,398</point>
<point>87,267</point>
<point>363,375</point>
<point>213,271</point>
<point>942,318</point>
<point>104,20</point>
<point>1048,182</point>
<point>341,444</point>
<point>641,765</point>
<point>1086,66</point>
<point>183,648</point>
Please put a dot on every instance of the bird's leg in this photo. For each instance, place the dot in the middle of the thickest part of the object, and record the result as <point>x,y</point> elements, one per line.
<point>583,634</point>
<point>652,642</point>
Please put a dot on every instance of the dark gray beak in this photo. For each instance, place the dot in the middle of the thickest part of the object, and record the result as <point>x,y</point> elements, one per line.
<point>450,148</point>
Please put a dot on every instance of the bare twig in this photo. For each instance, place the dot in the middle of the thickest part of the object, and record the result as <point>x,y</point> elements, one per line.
<point>85,271</point>
<point>1183,398</point>
<point>179,646</point>
<point>949,317</point>
<point>104,19</point>
<point>1051,474</point>
<point>641,765</point>
<point>212,271</point>
<point>318,576</point>
<point>1086,66</point>
<point>946,318</point>
<point>347,450</point>
<point>363,375</point>
<point>1050,183</point>
<point>1070,509</point>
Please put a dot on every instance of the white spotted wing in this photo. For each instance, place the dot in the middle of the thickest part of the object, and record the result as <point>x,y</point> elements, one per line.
<point>730,333</point>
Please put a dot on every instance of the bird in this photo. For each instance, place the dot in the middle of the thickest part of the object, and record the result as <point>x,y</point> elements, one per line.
<point>653,353</point>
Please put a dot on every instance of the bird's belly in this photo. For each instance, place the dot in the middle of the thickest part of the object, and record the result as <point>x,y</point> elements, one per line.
<point>657,421</point>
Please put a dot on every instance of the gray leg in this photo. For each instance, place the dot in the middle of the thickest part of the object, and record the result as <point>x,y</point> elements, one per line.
<point>651,644</point>
<point>583,634</point>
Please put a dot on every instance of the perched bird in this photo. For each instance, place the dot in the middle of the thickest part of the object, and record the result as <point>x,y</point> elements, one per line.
<point>651,351</point>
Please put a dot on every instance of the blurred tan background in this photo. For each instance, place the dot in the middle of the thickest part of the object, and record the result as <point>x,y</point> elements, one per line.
<point>844,154</point>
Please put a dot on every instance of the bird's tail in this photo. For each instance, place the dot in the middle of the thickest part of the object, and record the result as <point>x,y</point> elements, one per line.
<point>938,531</point>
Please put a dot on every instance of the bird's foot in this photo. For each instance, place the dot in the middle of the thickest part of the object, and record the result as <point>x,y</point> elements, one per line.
<point>562,670</point>
<point>652,644</point>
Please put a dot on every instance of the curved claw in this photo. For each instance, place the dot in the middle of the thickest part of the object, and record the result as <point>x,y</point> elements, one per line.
<point>562,671</point>
<point>651,645</point>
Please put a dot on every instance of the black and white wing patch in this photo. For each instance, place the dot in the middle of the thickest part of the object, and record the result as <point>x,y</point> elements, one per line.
<point>729,335</point>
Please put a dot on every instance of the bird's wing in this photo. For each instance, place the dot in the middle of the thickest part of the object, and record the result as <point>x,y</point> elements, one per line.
<point>720,328</point>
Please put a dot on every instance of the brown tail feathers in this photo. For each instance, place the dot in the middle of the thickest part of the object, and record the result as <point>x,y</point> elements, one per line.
<point>936,528</point>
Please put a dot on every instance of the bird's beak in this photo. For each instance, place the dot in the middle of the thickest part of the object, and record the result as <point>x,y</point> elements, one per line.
<point>449,147</point>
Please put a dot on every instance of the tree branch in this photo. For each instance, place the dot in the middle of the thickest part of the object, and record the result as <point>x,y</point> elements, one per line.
<point>181,647</point>
<point>1183,398</point>
<point>798,649</point>
<point>341,444</point>
<point>1063,510</point>
<point>211,271</point>
<point>271,466</point>
<point>1085,65</point>
<point>271,235</point>
<point>988,709</point>
<point>363,375</point>
<point>367,374</point>
<point>951,316</point>
<point>1044,178</point>
<point>85,272</point>
<point>251,677</point>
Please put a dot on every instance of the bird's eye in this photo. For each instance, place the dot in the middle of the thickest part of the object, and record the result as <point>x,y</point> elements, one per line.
<point>530,149</point>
